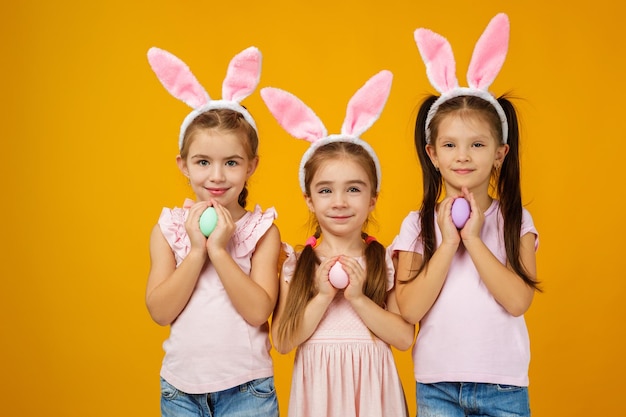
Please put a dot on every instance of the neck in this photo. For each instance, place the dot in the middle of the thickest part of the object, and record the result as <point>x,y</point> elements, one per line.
<point>332,245</point>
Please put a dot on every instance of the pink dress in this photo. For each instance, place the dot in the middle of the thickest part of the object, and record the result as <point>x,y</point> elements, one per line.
<point>343,370</point>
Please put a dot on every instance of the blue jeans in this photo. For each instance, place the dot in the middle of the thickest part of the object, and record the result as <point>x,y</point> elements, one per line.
<point>466,399</point>
<point>254,398</point>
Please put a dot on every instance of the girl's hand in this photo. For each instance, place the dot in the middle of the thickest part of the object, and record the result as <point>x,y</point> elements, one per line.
<point>324,287</point>
<point>224,230</point>
<point>475,222</point>
<point>192,226</point>
<point>449,232</point>
<point>356,275</point>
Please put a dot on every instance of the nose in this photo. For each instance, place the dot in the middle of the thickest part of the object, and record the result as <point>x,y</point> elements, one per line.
<point>339,199</point>
<point>462,154</point>
<point>216,173</point>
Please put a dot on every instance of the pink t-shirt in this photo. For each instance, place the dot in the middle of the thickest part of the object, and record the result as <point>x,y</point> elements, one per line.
<point>467,336</point>
<point>211,347</point>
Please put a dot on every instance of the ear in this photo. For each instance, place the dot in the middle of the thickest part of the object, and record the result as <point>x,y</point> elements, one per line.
<point>309,203</point>
<point>501,153</point>
<point>432,154</point>
<point>182,165</point>
<point>373,201</point>
<point>252,166</point>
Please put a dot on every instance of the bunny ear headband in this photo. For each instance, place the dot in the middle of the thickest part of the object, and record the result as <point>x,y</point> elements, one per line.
<point>487,59</point>
<point>300,121</point>
<point>242,77</point>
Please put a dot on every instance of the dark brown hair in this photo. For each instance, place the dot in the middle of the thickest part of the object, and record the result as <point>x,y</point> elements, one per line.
<point>505,182</point>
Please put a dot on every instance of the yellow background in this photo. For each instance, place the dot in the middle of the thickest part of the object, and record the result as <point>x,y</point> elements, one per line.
<point>87,161</point>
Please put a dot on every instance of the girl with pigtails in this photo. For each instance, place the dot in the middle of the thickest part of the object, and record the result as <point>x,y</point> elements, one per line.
<point>337,303</point>
<point>466,267</point>
<point>213,276</point>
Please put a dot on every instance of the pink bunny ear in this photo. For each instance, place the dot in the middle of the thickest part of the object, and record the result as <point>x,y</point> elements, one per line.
<point>367,103</point>
<point>489,53</point>
<point>437,54</point>
<point>176,77</point>
<point>293,115</point>
<point>243,75</point>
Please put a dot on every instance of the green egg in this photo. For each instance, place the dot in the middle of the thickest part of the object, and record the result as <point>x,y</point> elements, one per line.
<point>208,221</point>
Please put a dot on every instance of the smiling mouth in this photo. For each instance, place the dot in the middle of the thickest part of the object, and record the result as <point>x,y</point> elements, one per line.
<point>217,191</point>
<point>340,217</point>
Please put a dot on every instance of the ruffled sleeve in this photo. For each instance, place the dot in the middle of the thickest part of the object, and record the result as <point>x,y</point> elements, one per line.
<point>172,225</point>
<point>289,266</point>
<point>251,228</point>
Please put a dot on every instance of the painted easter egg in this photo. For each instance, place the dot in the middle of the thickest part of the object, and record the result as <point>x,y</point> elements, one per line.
<point>337,276</point>
<point>460,212</point>
<point>208,221</point>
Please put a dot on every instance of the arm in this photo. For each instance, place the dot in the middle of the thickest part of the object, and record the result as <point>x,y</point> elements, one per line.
<point>254,296</point>
<point>169,288</point>
<point>415,298</point>
<point>314,310</point>
<point>388,325</point>
<point>508,288</point>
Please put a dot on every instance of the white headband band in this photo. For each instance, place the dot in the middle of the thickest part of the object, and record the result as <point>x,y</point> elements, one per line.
<point>338,138</point>
<point>300,121</point>
<point>242,78</point>
<point>487,60</point>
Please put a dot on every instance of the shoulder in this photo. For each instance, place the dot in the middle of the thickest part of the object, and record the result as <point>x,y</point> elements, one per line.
<point>407,238</point>
<point>391,271</point>
<point>172,223</point>
<point>253,227</point>
<point>528,226</point>
<point>256,223</point>
<point>290,260</point>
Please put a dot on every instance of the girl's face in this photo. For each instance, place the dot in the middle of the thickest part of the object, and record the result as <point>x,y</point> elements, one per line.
<point>341,197</point>
<point>465,152</point>
<point>218,166</point>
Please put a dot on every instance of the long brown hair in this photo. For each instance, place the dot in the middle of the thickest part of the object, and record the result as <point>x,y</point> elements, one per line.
<point>505,182</point>
<point>224,120</point>
<point>302,287</point>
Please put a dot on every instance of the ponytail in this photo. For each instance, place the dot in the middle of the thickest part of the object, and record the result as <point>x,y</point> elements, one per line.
<point>302,288</point>
<point>375,286</point>
<point>432,184</point>
<point>510,195</point>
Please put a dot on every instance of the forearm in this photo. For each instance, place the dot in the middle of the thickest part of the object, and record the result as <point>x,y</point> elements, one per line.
<point>168,299</point>
<point>313,313</point>
<point>387,326</point>
<point>249,299</point>
<point>508,288</point>
<point>416,297</point>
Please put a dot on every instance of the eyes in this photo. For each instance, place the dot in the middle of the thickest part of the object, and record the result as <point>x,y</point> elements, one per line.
<point>328,190</point>
<point>453,145</point>
<point>228,163</point>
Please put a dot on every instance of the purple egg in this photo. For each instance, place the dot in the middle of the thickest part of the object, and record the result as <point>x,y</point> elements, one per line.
<point>460,212</point>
